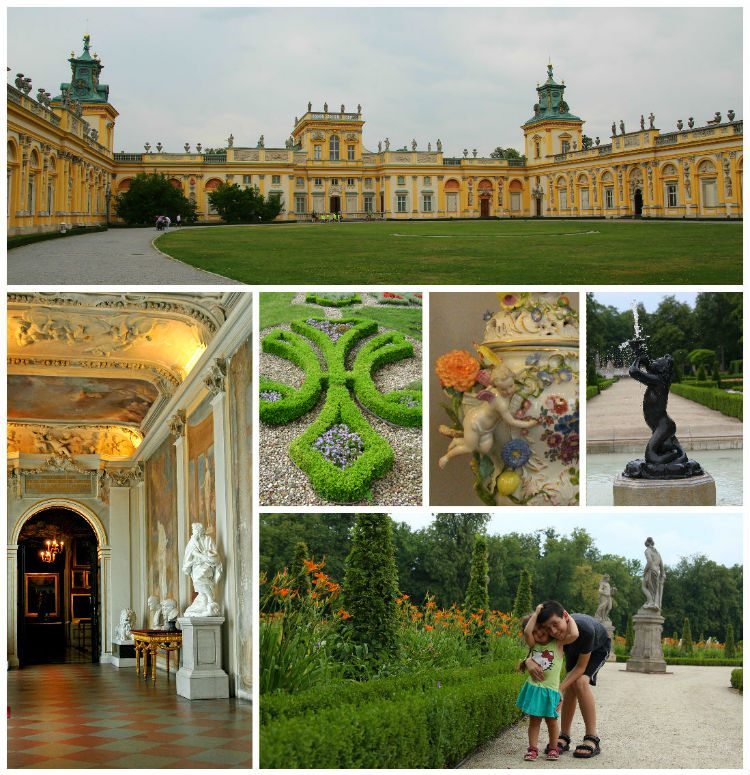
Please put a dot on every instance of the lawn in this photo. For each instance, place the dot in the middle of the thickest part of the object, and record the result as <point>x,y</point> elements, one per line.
<point>394,253</point>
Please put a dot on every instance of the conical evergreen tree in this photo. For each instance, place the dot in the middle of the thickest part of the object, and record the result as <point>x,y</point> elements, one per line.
<point>477,593</point>
<point>522,604</point>
<point>301,553</point>
<point>730,648</point>
<point>629,634</point>
<point>687,637</point>
<point>371,586</point>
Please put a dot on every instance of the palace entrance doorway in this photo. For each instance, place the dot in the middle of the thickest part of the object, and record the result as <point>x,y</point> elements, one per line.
<point>58,589</point>
<point>484,204</point>
<point>638,203</point>
<point>335,204</point>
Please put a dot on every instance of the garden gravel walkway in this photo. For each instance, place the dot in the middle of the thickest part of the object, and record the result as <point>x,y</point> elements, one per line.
<point>281,483</point>
<point>688,718</point>
<point>114,257</point>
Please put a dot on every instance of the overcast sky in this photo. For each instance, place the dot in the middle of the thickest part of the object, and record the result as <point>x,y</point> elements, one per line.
<point>650,300</point>
<point>467,75</point>
<point>718,536</point>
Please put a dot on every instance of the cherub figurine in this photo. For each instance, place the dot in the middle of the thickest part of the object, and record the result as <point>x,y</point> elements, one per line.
<point>480,421</point>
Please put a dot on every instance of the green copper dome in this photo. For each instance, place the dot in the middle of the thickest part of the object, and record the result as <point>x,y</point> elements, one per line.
<point>551,105</point>
<point>84,85</point>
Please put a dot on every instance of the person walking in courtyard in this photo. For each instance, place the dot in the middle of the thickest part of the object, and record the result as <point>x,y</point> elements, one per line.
<point>584,656</point>
<point>541,699</point>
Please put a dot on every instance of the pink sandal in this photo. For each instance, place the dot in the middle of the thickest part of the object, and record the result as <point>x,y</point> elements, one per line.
<point>531,755</point>
<point>553,755</point>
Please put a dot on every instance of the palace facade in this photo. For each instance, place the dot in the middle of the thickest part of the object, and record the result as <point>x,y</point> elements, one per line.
<point>62,167</point>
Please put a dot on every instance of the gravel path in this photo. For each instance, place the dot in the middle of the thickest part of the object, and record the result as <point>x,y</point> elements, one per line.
<point>281,483</point>
<point>688,718</point>
<point>114,257</point>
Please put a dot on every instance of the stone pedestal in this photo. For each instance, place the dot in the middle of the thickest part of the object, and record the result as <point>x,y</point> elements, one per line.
<point>123,653</point>
<point>646,655</point>
<point>610,628</point>
<point>201,676</point>
<point>694,491</point>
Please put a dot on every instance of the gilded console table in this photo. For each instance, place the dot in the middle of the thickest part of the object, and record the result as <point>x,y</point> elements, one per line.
<point>149,642</point>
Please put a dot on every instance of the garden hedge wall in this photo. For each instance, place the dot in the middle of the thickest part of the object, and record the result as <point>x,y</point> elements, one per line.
<point>591,391</point>
<point>726,403</point>
<point>696,661</point>
<point>19,240</point>
<point>736,679</point>
<point>432,719</point>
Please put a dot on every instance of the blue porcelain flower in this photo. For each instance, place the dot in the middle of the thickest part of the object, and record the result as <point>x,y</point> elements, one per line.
<point>568,423</point>
<point>536,314</point>
<point>516,453</point>
<point>546,377</point>
<point>533,359</point>
<point>565,375</point>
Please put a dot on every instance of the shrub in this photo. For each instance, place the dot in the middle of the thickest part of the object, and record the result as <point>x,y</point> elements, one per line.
<point>399,299</point>
<point>605,383</point>
<point>333,299</point>
<point>726,403</point>
<point>431,721</point>
<point>477,593</point>
<point>19,240</point>
<point>591,391</point>
<point>701,373</point>
<point>522,604</point>
<point>152,194</point>
<point>371,586</point>
<point>729,646</point>
<point>702,357</point>
<point>736,679</point>
<point>735,367</point>
<point>687,637</point>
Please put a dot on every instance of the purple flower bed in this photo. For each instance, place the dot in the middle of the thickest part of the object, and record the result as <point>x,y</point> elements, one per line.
<point>331,328</point>
<point>340,446</point>
<point>270,395</point>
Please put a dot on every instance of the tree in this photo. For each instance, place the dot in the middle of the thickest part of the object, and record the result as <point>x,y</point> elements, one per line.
<point>371,586</point>
<point>301,554</point>
<point>718,318</point>
<point>505,153</point>
<point>244,205</point>
<point>687,637</point>
<point>729,644</point>
<point>477,593</point>
<point>629,634</point>
<point>150,195</point>
<point>523,603</point>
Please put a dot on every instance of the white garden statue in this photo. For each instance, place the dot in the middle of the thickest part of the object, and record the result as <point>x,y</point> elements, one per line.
<point>480,421</point>
<point>203,564</point>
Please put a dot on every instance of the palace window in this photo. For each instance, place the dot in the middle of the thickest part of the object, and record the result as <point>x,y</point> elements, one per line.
<point>451,202</point>
<point>334,181</point>
<point>401,203</point>
<point>368,202</point>
<point>247,179</point>
<point>671,195</point>
<point>562,199</point>
<point>368,182</point>
<point>565,146</point>
<point>317,153</point>
<point>515,201</point>
<point>427,203</point>
<point>537,150</point>
<point>584,199</point>
<point>350,152</point>
<point>401,180</point>
<point>31,193</point>
<point>350,181</point>
<point>708,189</point>
<point>609,197</point>
<point>275,180</point>
<point>333,148</point>
<point>426,180</point>
<point>300,203</point>
<point>318,181</point>
<point>300,182</point>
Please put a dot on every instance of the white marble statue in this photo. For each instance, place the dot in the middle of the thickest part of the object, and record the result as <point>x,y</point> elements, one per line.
<point>653,577</point>
<point>154,613</point>
<point>127,622</point>
<point>202,563</point>
<point>169,612</point>
<point>606,591</point>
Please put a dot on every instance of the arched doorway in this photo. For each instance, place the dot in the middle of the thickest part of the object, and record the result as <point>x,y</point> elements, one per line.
<point>637,203</point>
<point>485,198</point>
<point>52,518</point>
<point>58,593</point>
<point>335,204</point>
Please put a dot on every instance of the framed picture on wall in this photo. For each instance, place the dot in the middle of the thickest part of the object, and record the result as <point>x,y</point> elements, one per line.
<point>41,595</point>
<point>81,578</point>
<point>80,606</point>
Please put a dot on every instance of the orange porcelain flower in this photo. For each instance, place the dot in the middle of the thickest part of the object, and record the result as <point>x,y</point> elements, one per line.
<point>457,369</point>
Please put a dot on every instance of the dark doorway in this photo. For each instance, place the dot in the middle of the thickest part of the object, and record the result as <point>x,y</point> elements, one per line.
<point>637,203</point>
<point>538,211</point>
<point>58,597</point>
<point>484,205</point>
<point>335,204</point>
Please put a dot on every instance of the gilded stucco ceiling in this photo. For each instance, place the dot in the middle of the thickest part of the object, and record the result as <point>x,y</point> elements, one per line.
<point>88,373</point>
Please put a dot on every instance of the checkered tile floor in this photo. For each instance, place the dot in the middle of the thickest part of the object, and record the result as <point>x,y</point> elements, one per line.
<point>95,716</point>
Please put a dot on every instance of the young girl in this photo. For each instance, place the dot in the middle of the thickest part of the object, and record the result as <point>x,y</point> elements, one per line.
<point>542,700</point>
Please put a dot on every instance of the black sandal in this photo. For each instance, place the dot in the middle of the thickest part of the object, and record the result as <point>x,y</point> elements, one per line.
<point>589,751</point>
<point>566,738</point>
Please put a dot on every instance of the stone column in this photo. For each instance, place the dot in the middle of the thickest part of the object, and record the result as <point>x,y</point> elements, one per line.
<point>12,607</point>
<point>646,655</point>
<point>108,622</point>
<point>177,425</point>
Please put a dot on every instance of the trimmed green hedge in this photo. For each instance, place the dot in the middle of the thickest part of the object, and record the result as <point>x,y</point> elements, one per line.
<point>735,367</point>
<point>605,383</point>
<point>19,240</point>
<point>591,391</point>
<point>333,299</point>
<point>736,679</point>
<point>428,721</point>
<point>726,403</point>
<point>696,661</point>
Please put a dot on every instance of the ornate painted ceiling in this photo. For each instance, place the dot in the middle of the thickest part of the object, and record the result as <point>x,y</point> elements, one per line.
<point>89,373</point>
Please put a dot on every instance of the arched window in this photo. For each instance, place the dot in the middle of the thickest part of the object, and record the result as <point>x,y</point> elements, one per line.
<point>333,148</point>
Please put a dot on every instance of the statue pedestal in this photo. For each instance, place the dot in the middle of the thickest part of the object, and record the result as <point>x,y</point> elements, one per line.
<point>610,628</point>
<point>201,676</point>
<point>693,491</point>
<point>123,653</point>
<point>647,655</point>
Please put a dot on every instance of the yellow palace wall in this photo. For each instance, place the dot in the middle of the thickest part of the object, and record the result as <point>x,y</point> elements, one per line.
<point>59,172</point>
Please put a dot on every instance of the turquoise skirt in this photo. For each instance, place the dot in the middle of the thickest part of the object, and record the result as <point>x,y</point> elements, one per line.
<point>537,700</point>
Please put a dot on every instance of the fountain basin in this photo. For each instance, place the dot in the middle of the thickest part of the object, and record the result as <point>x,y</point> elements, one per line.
<point>692,491</point>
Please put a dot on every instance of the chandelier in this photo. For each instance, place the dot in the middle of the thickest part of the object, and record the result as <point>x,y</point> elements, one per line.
<point>53,549</point>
